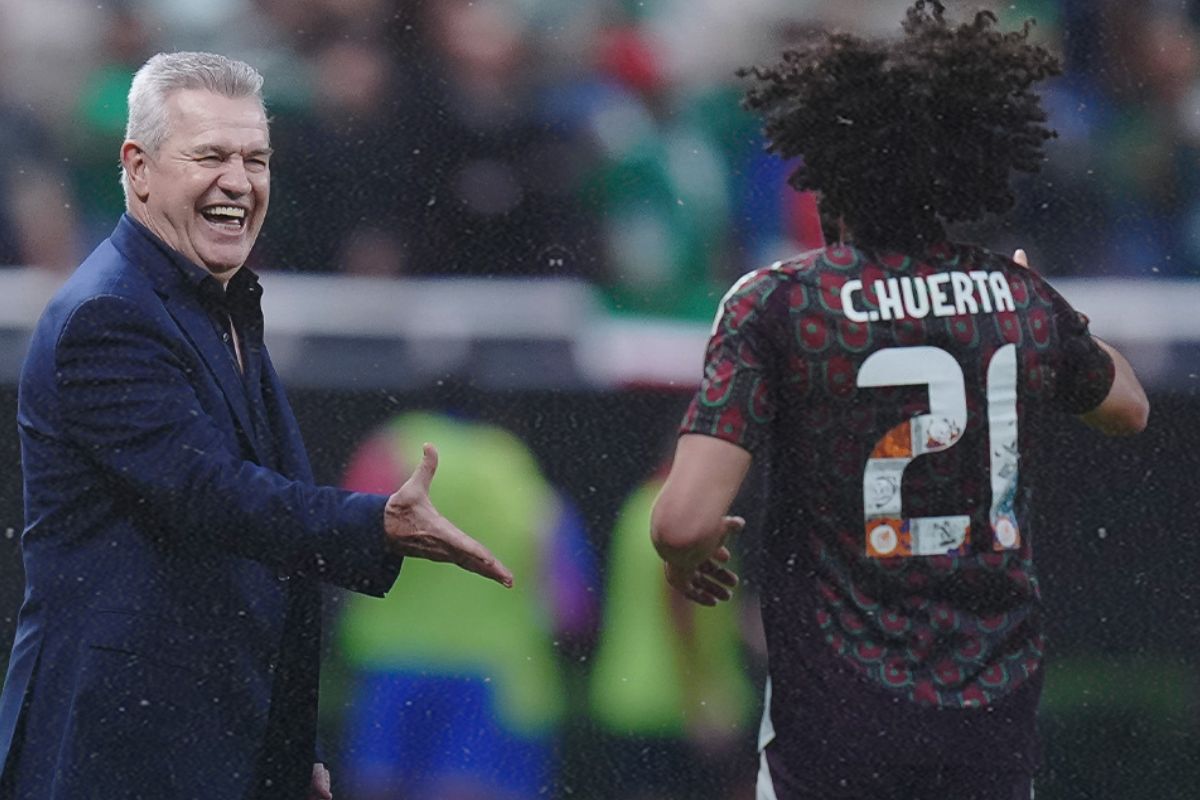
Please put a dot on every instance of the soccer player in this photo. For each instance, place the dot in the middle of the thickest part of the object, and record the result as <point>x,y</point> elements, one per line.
<point>900,386</point>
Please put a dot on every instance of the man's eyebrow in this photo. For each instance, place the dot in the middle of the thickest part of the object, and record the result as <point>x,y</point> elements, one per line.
<point>225,151</point>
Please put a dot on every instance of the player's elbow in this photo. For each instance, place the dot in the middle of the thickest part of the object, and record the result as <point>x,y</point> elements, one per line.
<point>1125,418</point>
<point>666,536</point>
<point>1135,419</point>
<point>1139,418</point>
<point>672,530</point>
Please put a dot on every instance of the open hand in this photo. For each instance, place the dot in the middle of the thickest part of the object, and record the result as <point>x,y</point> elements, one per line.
<point>415,528</point>
<point>710,582</point>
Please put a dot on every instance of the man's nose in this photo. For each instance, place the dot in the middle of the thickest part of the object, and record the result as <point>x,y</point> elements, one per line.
<point>234,180</point>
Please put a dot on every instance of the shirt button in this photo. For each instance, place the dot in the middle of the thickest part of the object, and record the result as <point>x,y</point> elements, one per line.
<point>225,337</point>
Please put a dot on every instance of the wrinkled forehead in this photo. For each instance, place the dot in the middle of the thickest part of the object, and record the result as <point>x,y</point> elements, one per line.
<point>194,114</point>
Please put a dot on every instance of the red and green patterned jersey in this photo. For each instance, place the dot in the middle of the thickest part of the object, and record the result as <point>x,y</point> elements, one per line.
<point>900,402</point>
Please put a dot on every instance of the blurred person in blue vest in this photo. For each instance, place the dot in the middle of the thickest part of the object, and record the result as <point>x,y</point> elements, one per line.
<point>458,694</point>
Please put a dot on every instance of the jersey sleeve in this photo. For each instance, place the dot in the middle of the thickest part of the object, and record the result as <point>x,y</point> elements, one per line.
<point>1085,371</point>
<point>735,400</point>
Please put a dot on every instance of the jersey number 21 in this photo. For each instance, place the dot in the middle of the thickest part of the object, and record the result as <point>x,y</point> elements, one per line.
<point>888,533</point>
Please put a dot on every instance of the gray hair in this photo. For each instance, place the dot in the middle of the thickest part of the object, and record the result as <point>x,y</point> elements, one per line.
<point>170,72</point>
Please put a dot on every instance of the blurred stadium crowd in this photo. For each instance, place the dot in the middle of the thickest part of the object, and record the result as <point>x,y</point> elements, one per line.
<point>593,138</point>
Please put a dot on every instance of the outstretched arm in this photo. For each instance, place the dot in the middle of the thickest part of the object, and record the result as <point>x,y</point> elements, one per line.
<point>689,525</point>
<point>128,402</point>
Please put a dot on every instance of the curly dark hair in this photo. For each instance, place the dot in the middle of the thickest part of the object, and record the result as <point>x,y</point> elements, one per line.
<point>902,136</point>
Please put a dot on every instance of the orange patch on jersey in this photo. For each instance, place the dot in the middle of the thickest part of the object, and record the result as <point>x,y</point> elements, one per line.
<point>896,443</point>
<point>888,538</point>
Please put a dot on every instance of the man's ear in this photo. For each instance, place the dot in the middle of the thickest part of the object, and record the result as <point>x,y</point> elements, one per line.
<point>135,162</point>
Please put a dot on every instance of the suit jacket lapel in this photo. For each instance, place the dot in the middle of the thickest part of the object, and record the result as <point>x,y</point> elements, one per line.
<point>196,324</point>
<point>293,460</point>
<point>153,258</point>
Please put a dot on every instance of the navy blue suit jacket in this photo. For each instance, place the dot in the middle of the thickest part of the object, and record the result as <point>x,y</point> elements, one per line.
<point>168,644</point>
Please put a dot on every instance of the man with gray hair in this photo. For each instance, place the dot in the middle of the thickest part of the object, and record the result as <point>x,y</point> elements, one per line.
<point>175,542</point>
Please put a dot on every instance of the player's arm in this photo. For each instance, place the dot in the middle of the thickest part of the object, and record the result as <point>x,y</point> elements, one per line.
<point>1125,409</point>
<point>689,523</point>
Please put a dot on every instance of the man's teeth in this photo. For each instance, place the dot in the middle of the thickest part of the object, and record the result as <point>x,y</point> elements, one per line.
<point>226,211</point>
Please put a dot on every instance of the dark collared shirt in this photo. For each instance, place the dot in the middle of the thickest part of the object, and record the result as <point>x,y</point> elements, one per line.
<point>240,302</point>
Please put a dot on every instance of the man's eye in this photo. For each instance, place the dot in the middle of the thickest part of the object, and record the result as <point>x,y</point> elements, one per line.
<point>256,164</point>
<point>210,159</point>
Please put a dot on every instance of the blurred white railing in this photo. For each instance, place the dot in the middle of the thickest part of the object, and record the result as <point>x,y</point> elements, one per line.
<point>332,331</point>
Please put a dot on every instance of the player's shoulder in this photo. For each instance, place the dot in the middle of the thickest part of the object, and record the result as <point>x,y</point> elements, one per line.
<point>811,264</point>
<point>764,280</point>
<point>1028,286</point>
<point>968,256</point>
<point>752,297</point>
<point>965,255</point>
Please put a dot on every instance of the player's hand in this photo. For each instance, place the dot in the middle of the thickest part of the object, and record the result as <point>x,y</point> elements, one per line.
<point>710,582</point>
<point>320,788</point>
<point>415,528</point>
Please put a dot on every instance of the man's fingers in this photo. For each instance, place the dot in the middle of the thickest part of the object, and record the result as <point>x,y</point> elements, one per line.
<point>492,568</point>
<point>422,476</point>
<point>703,591</point>
<point>705,585</point>
<point>719,573</point>
<point>702,598</point>
<point>435,538</point>
<point>733,525</point>
<point>474,557</point>
<point>1020,258</point>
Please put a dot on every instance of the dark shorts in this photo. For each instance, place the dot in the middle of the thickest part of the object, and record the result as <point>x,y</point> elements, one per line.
<point>876,782</point>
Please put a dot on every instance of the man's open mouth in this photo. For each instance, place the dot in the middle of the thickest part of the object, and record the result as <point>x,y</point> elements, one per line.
<point>230,217</point>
